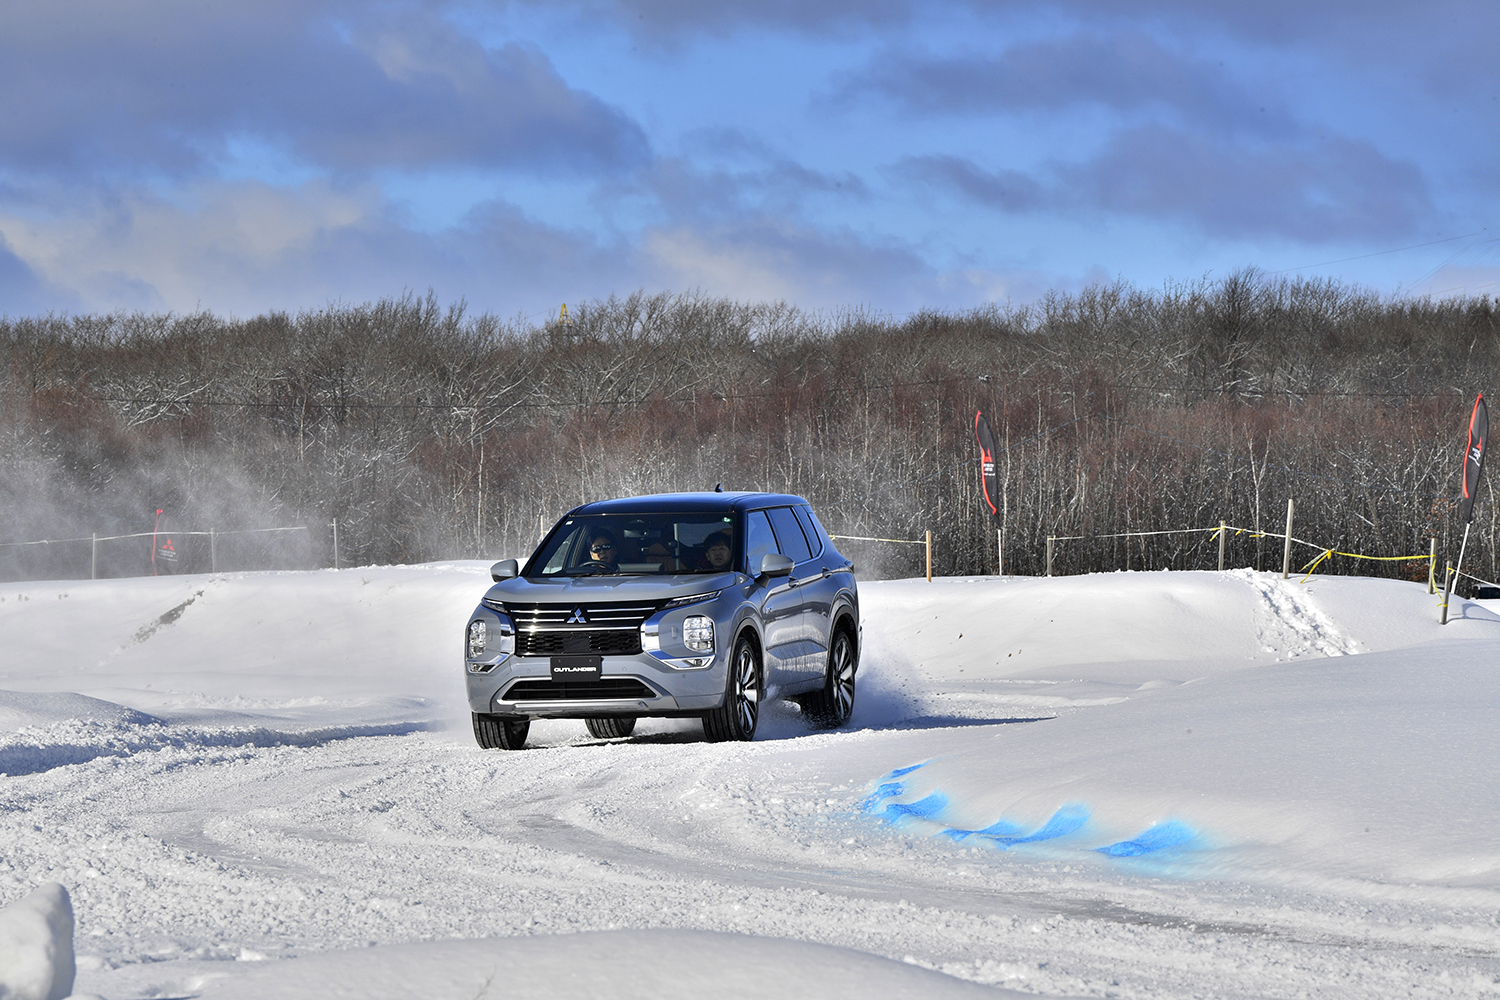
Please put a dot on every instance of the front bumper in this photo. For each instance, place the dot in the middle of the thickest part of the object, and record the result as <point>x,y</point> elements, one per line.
<point>663,678</point>
<point>517,686</point>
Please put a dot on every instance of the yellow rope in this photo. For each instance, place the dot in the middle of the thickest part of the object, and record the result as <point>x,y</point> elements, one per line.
<point>1312,566</point>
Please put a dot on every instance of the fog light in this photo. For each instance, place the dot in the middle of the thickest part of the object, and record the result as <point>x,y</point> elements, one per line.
<point>698,633</point>
<point>478,638</point>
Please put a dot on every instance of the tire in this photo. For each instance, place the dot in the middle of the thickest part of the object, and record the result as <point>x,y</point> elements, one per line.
<point>610,727</point>
<point>736,718</point>
<point>831,707</point>
<point>494,732</point>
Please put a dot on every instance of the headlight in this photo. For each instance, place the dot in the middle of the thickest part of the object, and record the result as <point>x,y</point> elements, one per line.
<point>478,638</point>
<point>698,633</point>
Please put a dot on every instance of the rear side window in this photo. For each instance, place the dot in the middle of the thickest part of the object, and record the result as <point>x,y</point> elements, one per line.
<point>809,528</point>
<point>789,534</point>
<point>759,541</point>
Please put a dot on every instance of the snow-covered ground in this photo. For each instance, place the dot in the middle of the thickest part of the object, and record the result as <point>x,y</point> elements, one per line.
<point>1133,785</point>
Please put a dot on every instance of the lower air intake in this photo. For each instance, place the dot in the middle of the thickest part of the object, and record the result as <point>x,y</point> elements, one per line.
<point>609,687</point>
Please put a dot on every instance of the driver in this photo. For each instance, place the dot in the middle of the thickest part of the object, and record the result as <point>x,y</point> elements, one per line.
<point>603,554</point>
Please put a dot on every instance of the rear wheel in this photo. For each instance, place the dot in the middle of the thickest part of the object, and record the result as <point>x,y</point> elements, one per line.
<point>494,732</point>
<point>735,719</point>
<point>610,727</point>
<point>832,706</point>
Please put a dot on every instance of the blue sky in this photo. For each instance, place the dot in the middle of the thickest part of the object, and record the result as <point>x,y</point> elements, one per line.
<point>174,155</point>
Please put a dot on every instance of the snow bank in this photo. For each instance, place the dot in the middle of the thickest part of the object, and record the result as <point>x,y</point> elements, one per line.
<point>19,710</point>
<point>622,965</point>
<point>36,946</point>
<point>246,641</point>
<point>1370,767</point>
<point>1136,627</point>
<point>1382,615</point>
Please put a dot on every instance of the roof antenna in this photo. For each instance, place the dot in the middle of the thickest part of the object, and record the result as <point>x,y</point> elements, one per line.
<point>719,488</point>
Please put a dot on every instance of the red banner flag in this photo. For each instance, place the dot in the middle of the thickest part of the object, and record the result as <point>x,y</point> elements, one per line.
<point>987,479</point>
<point>1479,435</point>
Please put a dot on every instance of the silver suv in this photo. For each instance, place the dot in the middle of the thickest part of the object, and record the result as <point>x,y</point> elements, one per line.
<point>684,604</point>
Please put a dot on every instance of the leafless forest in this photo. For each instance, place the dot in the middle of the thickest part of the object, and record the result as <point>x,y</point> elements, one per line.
<point>430,434</point>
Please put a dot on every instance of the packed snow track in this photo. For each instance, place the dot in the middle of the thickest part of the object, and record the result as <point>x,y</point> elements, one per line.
<point>1128,785</point>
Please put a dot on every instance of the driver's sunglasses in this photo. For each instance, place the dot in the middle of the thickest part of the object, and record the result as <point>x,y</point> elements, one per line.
<point>606,547</point>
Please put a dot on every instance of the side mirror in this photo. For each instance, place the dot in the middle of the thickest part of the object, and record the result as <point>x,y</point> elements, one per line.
<point>776,564</point>
<point>505,569</point>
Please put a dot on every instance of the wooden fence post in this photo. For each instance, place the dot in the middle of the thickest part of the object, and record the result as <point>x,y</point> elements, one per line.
<point>1221,546</point>
<point>1432,566</point>
<point>1286,552</point>
<point>213,551</point>
<point>1049,555</point>
<point>929,555</point>
<point>335,543</point>
<point>1450,576</point>
<point>94,556</point>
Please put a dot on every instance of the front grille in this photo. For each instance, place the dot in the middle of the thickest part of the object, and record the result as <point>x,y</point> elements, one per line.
<point>607,629</point>
<point>553,643</point>
<point>608,687</point>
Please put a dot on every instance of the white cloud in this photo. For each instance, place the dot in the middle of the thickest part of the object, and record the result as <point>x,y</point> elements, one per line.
<point>214,245</point>
<point>750,273</point>
<point>246,247</point>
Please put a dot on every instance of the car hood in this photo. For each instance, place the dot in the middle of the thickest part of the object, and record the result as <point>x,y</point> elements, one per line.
<point>608,589</point>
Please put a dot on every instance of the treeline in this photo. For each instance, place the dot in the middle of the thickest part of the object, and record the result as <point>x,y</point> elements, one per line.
<point>427,433</point>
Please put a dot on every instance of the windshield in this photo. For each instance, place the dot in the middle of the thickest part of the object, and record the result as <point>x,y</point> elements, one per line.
<point>637,543</point>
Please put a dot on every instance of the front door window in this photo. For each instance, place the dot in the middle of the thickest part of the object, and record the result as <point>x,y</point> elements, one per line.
<point>759,540</point>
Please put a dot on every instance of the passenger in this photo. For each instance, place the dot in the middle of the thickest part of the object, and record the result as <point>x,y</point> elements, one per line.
<point>716,550</point>
<point>662,556</point>
<point>602,551</point>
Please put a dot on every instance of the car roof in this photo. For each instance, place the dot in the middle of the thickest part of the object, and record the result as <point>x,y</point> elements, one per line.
<point>662,503</point>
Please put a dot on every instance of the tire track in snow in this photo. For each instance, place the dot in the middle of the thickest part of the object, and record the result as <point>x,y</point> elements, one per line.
<point>37,749</point>
<point>1289,622</point>
<point>295,849</point>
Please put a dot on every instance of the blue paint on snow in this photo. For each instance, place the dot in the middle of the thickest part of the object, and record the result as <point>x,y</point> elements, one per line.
<point>1004,834</point>
<point>1066,820</point>
<point>1160,837</point>
<point>999,828</point>
<point>920,809</point>
<point>889,790</point>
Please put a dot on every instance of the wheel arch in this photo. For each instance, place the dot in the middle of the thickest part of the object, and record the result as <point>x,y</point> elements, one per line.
<point>748,627</point>
<point>844,618</point>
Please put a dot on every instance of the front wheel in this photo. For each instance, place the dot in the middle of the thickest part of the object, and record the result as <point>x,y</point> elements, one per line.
<point>610,727</point>
<point>735,719</point>
<point>493,732</point>
<point>832,706</point>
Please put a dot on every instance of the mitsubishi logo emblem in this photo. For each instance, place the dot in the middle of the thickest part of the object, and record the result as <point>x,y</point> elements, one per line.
<point>576,618</point>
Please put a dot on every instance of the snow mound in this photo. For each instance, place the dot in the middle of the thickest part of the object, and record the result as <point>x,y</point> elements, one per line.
<point>201,640</point>
<point>1380,615</point>
<point>622,965</point>
<point>1361,767</point>
<point>20,709</point>
<point>1137,627</point>
<point>36,946</point>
